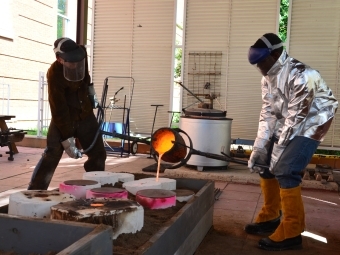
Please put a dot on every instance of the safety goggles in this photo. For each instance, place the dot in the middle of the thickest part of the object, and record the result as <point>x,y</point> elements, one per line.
<point>256,55</point>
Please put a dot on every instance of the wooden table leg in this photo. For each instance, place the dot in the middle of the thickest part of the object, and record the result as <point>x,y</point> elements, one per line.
<point>14,148</point>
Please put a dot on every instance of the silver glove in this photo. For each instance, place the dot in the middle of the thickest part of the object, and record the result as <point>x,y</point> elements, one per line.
<point>276,155</point>
<point>70,148</point>
<point>259,155</point>
<point>93,96</point>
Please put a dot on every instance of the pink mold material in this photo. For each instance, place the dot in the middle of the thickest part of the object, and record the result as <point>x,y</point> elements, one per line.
<point>106,192</point>
<point>78,188</point>
<point>156,198</point>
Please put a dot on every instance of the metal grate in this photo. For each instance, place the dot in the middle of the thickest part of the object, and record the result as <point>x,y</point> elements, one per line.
<point>204,77</point>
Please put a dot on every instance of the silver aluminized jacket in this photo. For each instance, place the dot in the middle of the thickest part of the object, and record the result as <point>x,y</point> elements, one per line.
<point>296,102</point>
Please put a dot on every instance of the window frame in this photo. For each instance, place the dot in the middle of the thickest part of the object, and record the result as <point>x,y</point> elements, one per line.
<point>6,20</point>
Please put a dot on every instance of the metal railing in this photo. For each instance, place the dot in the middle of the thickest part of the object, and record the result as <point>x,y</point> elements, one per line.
<point>44,113</point>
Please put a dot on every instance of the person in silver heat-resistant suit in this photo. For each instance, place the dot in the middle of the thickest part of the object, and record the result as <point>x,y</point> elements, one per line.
<point>297,110</point>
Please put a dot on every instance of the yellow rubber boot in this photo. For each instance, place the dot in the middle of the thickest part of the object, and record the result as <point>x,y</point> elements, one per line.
<point>269,217</point>
<point>272,200</point>
<point>288,233</point>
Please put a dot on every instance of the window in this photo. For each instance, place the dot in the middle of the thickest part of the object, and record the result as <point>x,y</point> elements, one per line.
<point>6,25</point>
<point>284,18</point>
<point>67,19</point>
<point>178,55</point>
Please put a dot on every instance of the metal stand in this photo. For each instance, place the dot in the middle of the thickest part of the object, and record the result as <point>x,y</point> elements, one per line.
<point>153,124</point>
<point>126,107</point>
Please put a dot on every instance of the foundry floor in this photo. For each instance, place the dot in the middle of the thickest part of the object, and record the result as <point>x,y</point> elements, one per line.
<point>237,205</point>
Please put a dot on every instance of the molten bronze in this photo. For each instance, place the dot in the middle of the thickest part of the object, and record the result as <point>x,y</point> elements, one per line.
<point>168,142</point>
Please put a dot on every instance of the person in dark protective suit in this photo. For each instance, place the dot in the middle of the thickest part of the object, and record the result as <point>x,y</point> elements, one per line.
<point>72,100</point>
<point>297,110</point>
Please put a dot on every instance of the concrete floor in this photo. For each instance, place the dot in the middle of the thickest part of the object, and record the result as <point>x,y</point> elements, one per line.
<point>237,205</point>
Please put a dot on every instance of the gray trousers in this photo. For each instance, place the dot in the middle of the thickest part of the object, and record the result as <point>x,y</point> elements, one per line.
<point>85,131</point>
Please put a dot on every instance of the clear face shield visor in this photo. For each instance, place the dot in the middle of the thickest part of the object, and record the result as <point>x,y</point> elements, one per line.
<point>74,71</point>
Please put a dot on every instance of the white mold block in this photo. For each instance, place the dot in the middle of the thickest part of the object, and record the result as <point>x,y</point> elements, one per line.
<point>125,177</point>
<point>167,183</point>
<point>102,177</point>
<point>36,203</point>
<point>134,186</point>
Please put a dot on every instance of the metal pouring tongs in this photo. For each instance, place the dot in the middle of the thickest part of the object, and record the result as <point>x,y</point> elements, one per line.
<point>240,161</point>
<point>223,157</point>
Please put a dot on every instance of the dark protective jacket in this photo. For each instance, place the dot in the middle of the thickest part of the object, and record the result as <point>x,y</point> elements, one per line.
<point>69,101</point>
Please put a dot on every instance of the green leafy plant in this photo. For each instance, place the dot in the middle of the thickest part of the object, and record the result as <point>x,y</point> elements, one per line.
<point>178,57</point>
<point>327,152</point>
<point>283,23</point>
<point>176,117</point>
<point>62,6</point>
<point>34,131</point>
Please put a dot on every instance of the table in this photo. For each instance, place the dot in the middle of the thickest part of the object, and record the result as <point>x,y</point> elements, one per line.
<point>3,127</point>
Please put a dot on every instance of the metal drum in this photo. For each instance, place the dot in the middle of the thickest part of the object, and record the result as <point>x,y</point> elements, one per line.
<point>208,134</point>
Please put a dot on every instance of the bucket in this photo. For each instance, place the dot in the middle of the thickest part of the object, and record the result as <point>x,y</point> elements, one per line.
<point>170,143</point>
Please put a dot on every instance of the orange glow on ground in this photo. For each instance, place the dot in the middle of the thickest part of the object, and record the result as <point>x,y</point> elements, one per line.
<point>96,205</point>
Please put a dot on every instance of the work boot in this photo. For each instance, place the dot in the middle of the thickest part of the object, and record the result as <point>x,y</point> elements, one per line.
<point>262,227</point>
<point>294,243</point>
<point>269,217</point>
<point>287,236</point>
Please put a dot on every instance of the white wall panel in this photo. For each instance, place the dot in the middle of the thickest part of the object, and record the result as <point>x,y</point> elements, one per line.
<point>112,39</point>
<point>314,40</point>
<point>152,58</point>
<point>133,38</point>
<point>249,21</point>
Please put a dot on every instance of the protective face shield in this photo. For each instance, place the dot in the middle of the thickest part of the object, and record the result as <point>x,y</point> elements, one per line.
<point>74,71</point>
<point>256,55</point>
<point>260,58</point>
<point>72,58</point>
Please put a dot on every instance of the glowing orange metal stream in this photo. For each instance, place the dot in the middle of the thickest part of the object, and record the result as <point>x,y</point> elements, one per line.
<point>163,144</point>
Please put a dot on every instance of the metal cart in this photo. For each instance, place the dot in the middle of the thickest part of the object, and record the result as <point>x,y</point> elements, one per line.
<point>117,114</point>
